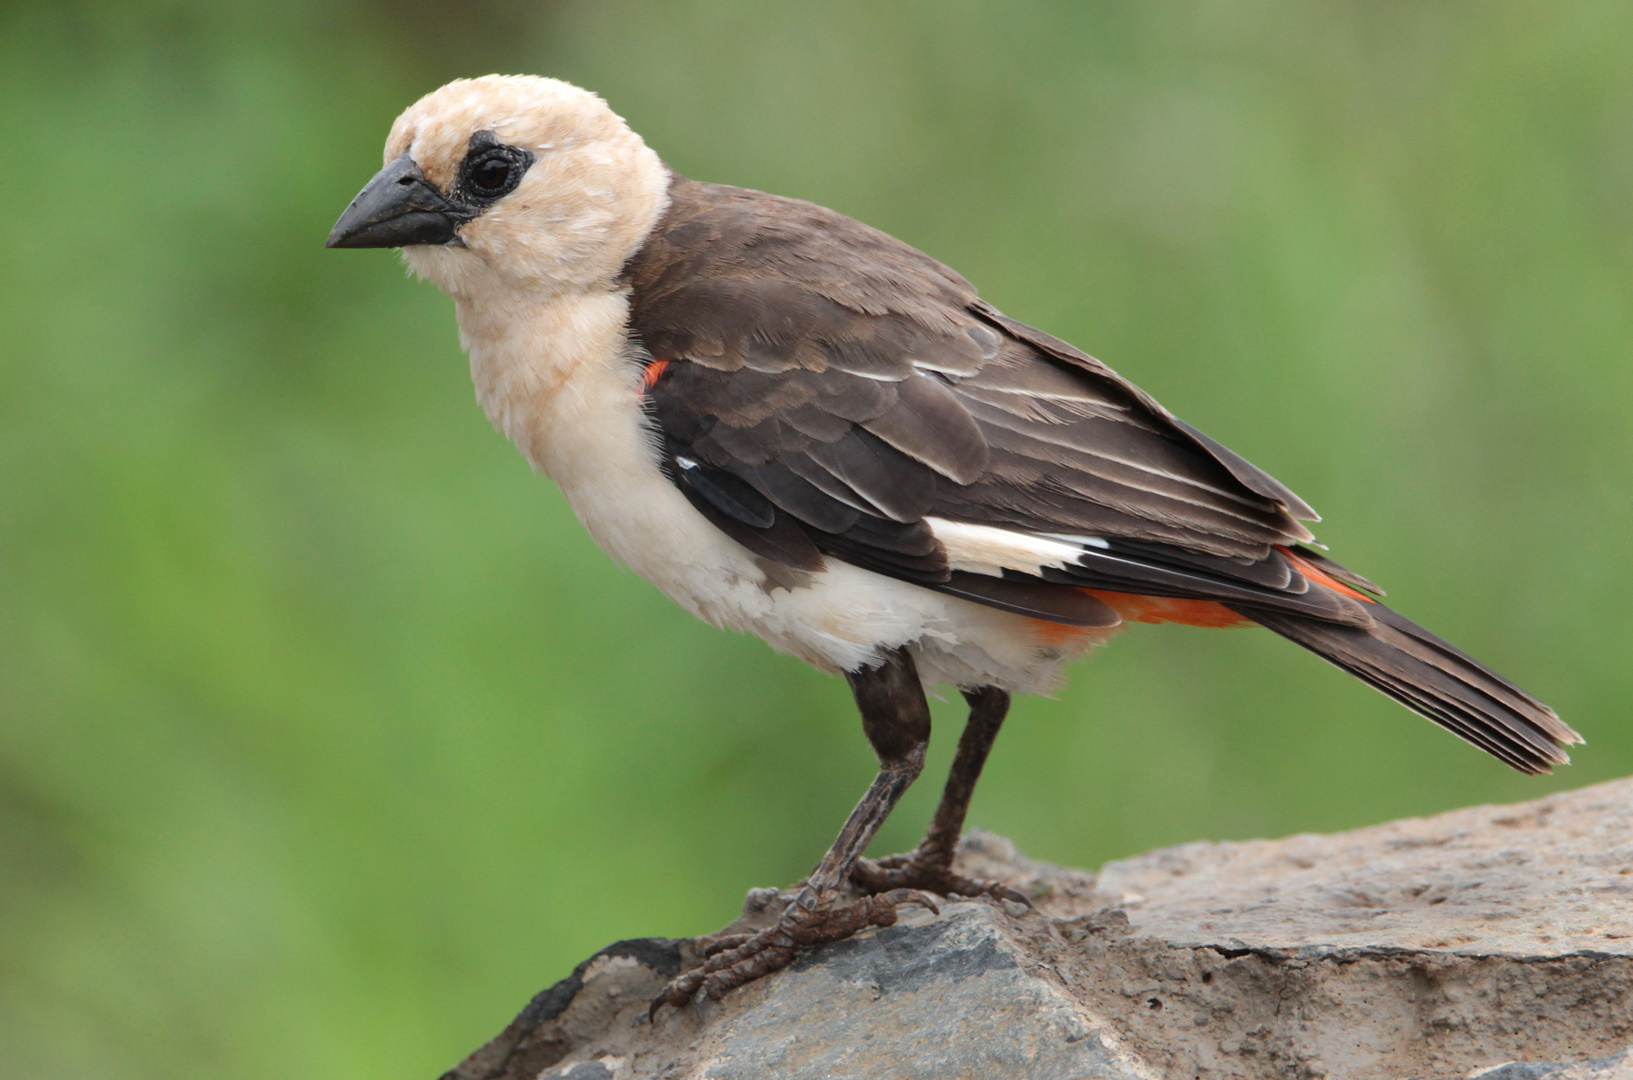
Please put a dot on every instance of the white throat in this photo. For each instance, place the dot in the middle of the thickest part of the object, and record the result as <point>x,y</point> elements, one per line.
<point>557,376</point>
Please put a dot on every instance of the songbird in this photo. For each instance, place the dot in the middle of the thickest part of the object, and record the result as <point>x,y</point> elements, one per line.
<point>797,426</point>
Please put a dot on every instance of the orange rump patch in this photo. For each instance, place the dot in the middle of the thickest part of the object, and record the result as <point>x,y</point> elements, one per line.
<point>1167,609</point>
<point>1134,607</point>
<point>1164,609</point>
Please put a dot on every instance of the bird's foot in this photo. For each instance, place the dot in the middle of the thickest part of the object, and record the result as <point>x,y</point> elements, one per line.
<point>920,870</point>
<point>741,958</point>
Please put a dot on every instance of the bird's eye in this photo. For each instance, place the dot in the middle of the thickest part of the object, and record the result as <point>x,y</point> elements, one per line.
<point>495,172</point>
<point>490,176</point>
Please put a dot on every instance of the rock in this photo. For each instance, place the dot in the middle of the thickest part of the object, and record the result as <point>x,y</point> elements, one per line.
<point>1483,942</point>
<point>1615,1067</point>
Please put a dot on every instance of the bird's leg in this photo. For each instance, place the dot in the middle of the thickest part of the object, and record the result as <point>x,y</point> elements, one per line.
<point>929,866</point>
<point>896,719</point>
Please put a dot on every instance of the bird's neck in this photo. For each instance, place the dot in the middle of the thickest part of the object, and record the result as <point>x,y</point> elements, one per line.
<point>555,374</point>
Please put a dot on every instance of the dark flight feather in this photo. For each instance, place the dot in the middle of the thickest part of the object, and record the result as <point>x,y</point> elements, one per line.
<point>785,541</point>
<point>1073,607</point>
<point>1438,681</point>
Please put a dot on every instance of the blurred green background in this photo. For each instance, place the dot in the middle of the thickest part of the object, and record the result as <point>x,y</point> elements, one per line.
<point>327,736</point>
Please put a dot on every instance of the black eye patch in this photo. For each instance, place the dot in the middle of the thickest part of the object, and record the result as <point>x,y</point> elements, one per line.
<point>491,170</point>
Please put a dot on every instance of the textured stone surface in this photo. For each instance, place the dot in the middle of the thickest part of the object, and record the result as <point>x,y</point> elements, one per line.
<point>961,1002</point>
<point>1492,942</point>
<point>1542,878</point>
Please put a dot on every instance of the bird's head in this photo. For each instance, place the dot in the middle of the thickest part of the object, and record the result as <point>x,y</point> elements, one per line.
<point>512,184</point>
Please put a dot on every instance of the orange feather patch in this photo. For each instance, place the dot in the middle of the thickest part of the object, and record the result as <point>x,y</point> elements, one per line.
<point>1170,609</point>
<point>654,372</point>
<point>1320,578</point>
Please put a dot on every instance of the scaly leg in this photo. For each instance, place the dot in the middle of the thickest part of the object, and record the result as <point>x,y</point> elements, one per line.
<point>929,866</point>
<point>896,719</point>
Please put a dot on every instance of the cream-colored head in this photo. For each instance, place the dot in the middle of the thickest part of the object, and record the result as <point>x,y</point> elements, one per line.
<point>589,188</point>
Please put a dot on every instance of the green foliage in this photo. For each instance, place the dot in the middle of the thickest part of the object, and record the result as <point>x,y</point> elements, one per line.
<point>327,736</point>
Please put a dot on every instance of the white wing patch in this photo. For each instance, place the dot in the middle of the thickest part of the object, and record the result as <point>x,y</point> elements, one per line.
<point>990,550</point>
<point>1080,541</point>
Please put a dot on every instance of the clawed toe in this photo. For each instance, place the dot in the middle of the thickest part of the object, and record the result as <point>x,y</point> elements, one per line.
<point>741,958</point>
<point>729,941</point>
<point>910,872</point>
<point>995,889</point>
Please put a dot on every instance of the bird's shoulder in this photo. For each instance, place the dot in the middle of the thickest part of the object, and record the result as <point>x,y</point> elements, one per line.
<point>732,278</point>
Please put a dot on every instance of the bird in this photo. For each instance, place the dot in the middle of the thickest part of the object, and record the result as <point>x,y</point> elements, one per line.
<point>799,427</point>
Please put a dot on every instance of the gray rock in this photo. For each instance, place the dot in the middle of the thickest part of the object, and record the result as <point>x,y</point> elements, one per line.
<point>951,997</point>
<point>1615,1067</point>
<point>1494,942</point>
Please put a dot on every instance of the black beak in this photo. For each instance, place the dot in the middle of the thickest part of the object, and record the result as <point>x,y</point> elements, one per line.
<point>399,207</point>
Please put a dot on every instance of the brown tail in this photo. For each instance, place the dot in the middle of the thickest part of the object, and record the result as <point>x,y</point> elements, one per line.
<point>1438,681</point>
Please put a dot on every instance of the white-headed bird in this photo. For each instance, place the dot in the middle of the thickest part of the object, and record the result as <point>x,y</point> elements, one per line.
<point>797,426</point>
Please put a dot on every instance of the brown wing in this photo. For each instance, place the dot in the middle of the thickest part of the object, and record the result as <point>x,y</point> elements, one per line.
<point>828,391</point>
<point>829,388</point>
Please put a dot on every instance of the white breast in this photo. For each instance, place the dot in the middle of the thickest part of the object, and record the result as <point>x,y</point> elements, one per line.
<point>562,380</point>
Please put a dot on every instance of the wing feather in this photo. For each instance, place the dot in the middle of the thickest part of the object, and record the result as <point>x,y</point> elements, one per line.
<point>929,424</point>
<point>902,488</point>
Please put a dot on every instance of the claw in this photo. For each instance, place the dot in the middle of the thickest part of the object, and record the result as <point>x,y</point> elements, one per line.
<point>908,872</point>
<point>897,897</point>
<point>677,993</point>
<point>1004,892</point>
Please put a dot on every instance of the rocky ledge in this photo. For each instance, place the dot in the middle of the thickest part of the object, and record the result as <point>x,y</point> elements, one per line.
<point>1495,941</point>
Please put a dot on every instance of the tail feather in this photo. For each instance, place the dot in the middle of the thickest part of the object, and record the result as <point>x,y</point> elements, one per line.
<point>1436,680</point>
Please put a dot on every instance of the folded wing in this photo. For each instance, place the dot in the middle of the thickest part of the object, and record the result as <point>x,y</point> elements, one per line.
<point>829,392</point>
